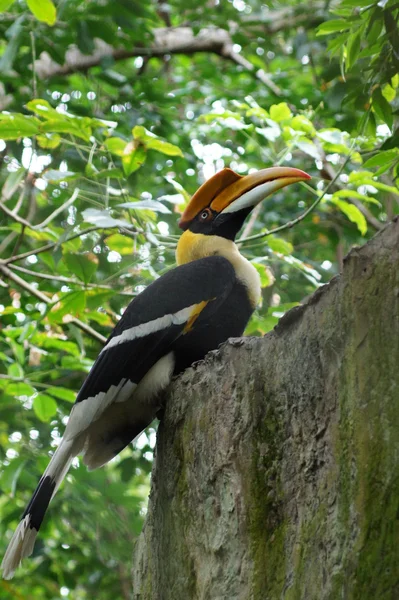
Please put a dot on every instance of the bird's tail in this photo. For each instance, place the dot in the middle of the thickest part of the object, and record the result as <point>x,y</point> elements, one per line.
<point>23,540</point>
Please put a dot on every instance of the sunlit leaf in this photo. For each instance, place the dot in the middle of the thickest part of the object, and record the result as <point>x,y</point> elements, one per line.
<point>280,245</point>
<point>56,176</point>
<point>266,276</point>
<point>116,145</point>
<point>14,126</point>
<point>20,389</point>
<point>309,148</point>
<point>44,10</point>
<point>355,194</point>
<point>146,205</point>
<point>280,112</point>
<point>50,141</point>
<point>5,4</point>
<point>133,160</point>
<point>61,393</point>
<point>102,218</point>
<point>70,303</point>
<point>45,407</point>
<point>153,142</point>
<point>353,214</point>
<point>120,243</point>
<point>332,26</point>
<point>44,109</point>
<point>69,127</point>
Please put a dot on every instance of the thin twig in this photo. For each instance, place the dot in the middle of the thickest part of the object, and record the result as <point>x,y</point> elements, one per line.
<point>329,169</point>
<point>290,224</point>
<point>58,210</point>
<point>34,76</point>
<point>8,273</point>
<point>52,245</point>
<point>67,280</point>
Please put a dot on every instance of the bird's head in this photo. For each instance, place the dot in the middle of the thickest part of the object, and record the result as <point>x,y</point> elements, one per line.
<point>220,206</point>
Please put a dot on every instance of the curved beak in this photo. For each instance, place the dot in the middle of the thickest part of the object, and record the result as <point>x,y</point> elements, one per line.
<point>228,192</point>
<point>250,190</point>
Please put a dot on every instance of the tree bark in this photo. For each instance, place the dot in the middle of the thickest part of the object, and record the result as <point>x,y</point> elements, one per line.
<point>277,464</point>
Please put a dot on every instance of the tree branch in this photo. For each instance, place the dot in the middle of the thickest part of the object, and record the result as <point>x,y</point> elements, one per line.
<point>38,294</point>
<point>167,40</point>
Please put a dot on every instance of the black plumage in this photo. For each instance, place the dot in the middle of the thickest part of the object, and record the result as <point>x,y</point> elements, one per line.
<point>174,322</point>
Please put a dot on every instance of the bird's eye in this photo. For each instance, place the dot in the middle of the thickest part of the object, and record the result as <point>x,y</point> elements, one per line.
<point>205,215</point>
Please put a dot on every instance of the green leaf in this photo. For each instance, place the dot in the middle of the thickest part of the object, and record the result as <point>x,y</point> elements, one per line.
<point>389,93</point>
<point>45,407</point>
<point>146,205</point>
<point>353,49</point>
<point>116,145</point>
<point>280,112</point>
<point>5,4</point>
<point>15,126</point>
<point>62,393</point>
<point>301,123</point>
<point>49,141</point>
<point>12,182</point>
<point>309,148</point>
<point>382,108</point>
<point>382,158</point>
<point>353,214</point>
<point>153,142</point>
<point>14,34</point>
<point>108,173</point>
<point>82,265</point>
<point>20,389</point>
<point>120,243</point>
<point>383,187</point>
<point>141,133</point>
<point>15,370</point>
<point>333,26</point>
<point>354,194</point>
<point>56,176</point>
<point>102,218</point>
<point>134,160</point>
<point>280,245</point>
<point>164,147</point>
<point>76,127</point>
<point>70,303</point>
<point>43,10</point>
<point>265,274</point>
<point>44,109</point>
<point>44,341</point>
<point>84,39</point>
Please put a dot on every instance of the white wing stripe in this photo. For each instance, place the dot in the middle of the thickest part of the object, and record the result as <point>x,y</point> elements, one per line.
<point>85,412</point>
<point>178,318</point>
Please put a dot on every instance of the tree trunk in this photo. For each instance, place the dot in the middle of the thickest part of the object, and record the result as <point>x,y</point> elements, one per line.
<point>277,463</point>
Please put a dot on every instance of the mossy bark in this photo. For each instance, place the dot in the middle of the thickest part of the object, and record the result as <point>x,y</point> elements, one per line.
<point>277,464</point>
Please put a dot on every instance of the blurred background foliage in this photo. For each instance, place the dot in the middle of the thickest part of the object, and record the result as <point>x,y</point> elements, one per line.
<point>113,113</point>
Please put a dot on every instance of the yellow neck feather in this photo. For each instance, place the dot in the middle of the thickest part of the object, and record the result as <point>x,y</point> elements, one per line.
<point>193,246</point>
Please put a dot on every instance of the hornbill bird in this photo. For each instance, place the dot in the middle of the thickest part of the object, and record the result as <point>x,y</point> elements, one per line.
<point>174,322</point>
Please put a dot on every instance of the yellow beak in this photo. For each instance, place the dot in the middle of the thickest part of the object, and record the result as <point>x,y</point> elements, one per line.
<point>228,192</point>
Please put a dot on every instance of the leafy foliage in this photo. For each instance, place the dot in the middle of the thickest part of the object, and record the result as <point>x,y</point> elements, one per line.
<point>98,161</point>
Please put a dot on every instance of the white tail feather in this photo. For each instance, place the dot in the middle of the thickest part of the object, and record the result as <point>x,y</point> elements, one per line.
<point>23,540</point>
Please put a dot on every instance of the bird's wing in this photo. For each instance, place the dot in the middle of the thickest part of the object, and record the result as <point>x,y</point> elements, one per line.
<point>142,339</point>
<point>166,309</point>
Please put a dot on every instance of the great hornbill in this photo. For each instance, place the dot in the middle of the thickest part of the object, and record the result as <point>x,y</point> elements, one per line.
<point>174,322</point>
